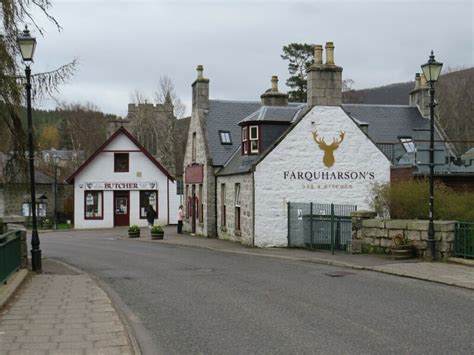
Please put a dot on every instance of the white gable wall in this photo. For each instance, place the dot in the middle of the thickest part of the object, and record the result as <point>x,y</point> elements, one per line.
<point>101,169</point>
<point>294,172</point>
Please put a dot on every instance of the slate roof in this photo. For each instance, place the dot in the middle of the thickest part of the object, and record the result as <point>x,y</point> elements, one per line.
<point>238,163</point>
<point>274,113</point>
<point>389,122</point>
<point>225,115</point>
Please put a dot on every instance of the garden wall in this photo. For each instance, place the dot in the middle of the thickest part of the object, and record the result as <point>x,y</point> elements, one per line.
<point>371,235</point>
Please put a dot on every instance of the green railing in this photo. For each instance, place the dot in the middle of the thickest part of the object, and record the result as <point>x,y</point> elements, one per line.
<point>464,240</point>
<point>10,254</point>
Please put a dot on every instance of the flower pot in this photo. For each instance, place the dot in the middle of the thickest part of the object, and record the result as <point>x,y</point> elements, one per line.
<point>403,252</point>
<point>157,235</point>
<point>133,234</point>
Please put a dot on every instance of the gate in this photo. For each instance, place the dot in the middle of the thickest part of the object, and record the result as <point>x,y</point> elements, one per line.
<point>464,240</point>
<point>320,226</point>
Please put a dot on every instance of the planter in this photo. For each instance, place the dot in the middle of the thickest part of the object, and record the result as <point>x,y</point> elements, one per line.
<point>403,252</point>
<point>157,235</point>
<point>134,234</point>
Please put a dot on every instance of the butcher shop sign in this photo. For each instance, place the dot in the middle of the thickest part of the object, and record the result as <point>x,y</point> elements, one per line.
<point>122,185</point>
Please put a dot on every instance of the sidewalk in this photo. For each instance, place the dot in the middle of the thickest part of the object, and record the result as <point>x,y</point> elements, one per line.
<point>440,272</point>
<point>62,311</point>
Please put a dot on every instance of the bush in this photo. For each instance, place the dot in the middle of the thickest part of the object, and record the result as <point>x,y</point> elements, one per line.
<point>157,229</point>
<point>410,200</point>
<point>133,228</point>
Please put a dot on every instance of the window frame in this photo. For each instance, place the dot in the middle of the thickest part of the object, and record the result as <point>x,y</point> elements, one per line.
<point>101,193</point>
<point>223,205</point>
<point>223,133</point>
<point>237,210</point>
<point>116,170</point>
<point>255,139</point>
<point>193,148</point>
<point>245,148</point>
<point>407,142</point>
<point>140,203</point>
<point>200,204</point>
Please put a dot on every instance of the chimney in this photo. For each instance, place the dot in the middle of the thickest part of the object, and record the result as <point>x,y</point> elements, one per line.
<point>272,97</point>
<point>324,80</point>
<point>420,95</point>
<point>200,90</point>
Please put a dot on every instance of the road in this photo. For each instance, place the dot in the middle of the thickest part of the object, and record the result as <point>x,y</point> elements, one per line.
<point>186,300</point>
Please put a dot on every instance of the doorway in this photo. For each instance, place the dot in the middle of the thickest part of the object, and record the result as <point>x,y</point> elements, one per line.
<point>121,208</point>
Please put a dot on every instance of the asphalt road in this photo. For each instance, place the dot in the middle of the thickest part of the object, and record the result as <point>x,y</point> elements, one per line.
<point>184,300</point>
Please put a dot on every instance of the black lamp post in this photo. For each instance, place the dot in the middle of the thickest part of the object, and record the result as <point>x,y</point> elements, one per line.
<point>27,46</point>
<point>431,70</point>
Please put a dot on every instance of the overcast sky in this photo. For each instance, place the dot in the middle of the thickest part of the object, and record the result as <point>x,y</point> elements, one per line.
<point>123,46</point>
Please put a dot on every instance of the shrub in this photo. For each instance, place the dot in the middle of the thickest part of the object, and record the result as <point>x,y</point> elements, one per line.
<point>410,200</point>
<point>157,229</point>
<point>133,228</point>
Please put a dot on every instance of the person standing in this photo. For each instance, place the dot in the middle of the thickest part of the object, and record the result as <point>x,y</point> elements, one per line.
<point>150,216</point>
<point>180,219</point>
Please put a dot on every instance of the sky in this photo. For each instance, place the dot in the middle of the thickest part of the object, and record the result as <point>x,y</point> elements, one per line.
<point>124,46</point>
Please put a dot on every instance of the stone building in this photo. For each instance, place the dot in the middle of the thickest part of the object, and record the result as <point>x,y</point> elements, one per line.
<point>158,130</point>
<point>246,160</point>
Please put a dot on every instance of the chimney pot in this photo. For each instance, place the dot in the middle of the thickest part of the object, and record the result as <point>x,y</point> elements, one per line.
<point>275,83</point>
<point>200,70</point>
<point>329,53</point>
<point>318,54</point>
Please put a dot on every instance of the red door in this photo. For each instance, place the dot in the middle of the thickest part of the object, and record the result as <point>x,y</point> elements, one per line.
<point>121,208</point>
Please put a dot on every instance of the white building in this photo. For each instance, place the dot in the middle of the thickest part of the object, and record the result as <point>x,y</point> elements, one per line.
<point>116,184</point>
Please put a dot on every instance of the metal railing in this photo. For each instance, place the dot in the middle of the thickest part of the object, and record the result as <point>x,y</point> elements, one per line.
<point>10,254</point>
<point>464,240</point>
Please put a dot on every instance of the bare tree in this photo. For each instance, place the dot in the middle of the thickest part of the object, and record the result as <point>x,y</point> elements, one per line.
<point>166,94</point>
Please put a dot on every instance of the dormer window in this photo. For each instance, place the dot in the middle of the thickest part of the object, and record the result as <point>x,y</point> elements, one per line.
<point>253,139</point>
<point>225,137</point>
<point>245,141</point>
<point>250,141</point>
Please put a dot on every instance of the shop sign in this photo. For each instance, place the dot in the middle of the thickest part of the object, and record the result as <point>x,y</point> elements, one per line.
<point>122,185</point>
<point>194,174</point>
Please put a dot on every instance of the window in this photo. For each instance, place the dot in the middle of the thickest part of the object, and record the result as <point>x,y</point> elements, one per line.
<point>201,205</point>
<point>245,147</point>
<point>148,198</point>
<point>225,137</point>
<point>408,144</point>
<point>253,139</point>
<point>186,198</point>
<point>121,162</point>
<point>223,219</point>
<point>93,205</point>
<point>237,207</point>
<point>179,187</point>
<point>194,148</point>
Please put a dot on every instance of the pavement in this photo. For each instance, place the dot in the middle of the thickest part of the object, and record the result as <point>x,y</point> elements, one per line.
<point>62,311</point>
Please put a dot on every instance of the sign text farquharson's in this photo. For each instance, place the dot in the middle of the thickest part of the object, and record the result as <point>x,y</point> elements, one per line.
<point>328,175</point>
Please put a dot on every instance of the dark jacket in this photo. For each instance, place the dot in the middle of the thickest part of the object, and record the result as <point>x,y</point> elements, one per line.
<point>150,214</point>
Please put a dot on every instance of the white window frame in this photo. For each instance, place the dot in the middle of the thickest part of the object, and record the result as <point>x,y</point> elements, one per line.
<point>253,139</point>
<point>408,144</point>
<point>225,137</point>
<point>244,140</point>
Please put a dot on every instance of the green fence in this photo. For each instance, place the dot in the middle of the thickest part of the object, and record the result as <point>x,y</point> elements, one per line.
<point>10,254</point>
<point>320,226</point>
<point>464,240</point>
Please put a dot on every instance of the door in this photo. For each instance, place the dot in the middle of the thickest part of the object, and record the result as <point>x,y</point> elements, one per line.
<point>121,208</point>
<point>193,211</point>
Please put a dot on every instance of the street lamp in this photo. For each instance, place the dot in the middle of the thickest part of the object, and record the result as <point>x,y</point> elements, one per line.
<point>55,163</point>
<point>431,70</point>
<point>27,45</point>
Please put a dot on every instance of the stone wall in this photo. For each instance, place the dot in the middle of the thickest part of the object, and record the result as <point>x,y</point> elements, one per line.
<point>245,235</point>
<point>370,235</point>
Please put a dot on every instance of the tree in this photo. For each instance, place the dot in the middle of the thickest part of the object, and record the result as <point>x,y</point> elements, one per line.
<point>49,138</point>
<point>14,15</point>
<point>166,94</point>
<point>300,56</point>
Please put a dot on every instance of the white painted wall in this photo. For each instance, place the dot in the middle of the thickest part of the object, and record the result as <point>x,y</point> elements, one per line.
<point>298,152</point>
<point>101,169</point>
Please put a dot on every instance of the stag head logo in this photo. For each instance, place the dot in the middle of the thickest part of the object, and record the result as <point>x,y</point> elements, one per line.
<point>328,149</point>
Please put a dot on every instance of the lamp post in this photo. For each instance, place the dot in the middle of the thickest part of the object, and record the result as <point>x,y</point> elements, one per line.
<point>27,45</point>
<point>55,217</point>
<point>431,70</point>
